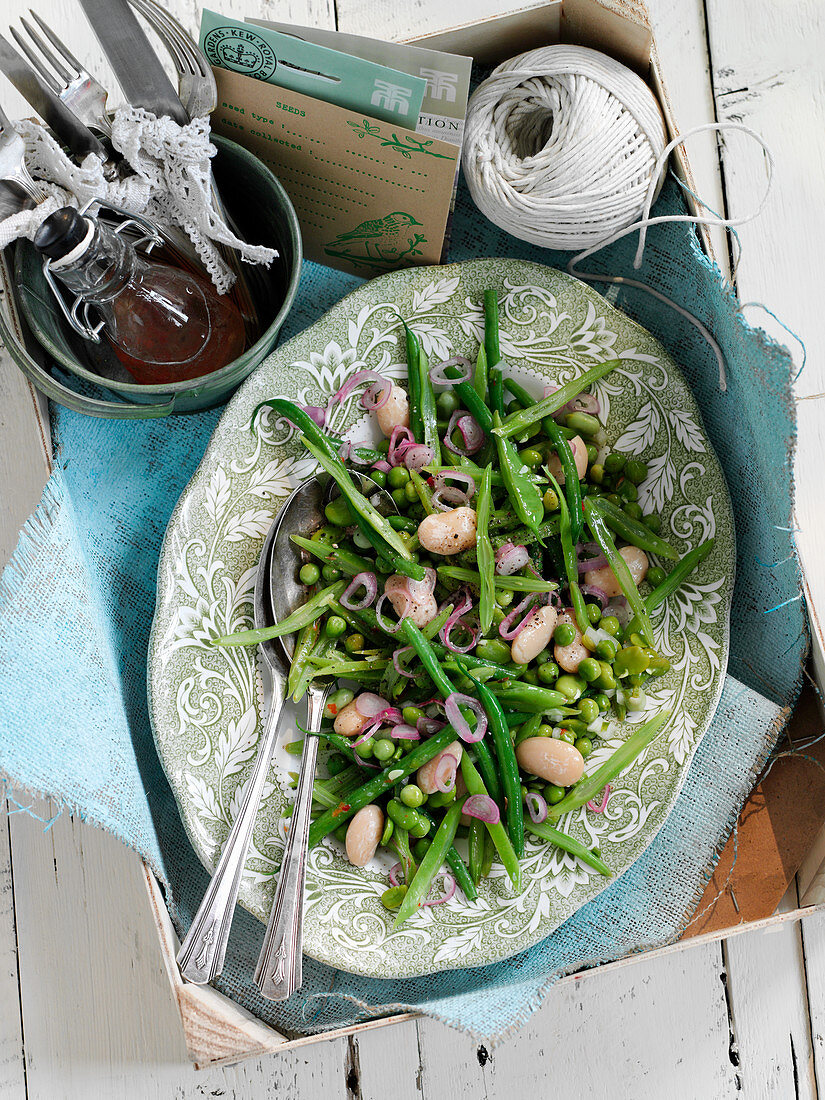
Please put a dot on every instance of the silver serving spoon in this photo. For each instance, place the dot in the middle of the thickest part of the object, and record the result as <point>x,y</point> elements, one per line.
<point>279,970</point>
<point>202,952</point>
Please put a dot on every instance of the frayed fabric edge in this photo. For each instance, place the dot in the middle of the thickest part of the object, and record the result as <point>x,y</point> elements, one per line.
<point>32,538</point>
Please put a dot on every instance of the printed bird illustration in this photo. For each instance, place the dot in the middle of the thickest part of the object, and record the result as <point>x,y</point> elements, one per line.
<point>380,242</point>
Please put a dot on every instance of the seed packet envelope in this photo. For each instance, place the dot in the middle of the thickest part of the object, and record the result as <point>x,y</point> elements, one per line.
<point>314,70</point>
<point>371,196</point>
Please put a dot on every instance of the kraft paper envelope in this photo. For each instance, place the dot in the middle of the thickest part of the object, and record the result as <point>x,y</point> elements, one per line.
<point>370,196</point>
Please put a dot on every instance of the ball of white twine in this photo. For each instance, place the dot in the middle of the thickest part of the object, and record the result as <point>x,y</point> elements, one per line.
<point>561,145</point>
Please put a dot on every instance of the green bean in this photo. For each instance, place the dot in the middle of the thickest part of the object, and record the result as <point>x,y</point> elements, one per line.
<point>529,729</point>
<point>445,654</point>
<point>572,485</point>
<point>475,785</point>
<point>470,400</point>
<point>571,563</point>
<point>568,844</point>
<point>491,344</point>
<point>467,467</point>
<point>632,531</point>
<point>529,697</point>
<point>602,535</point>
<point>489,773</point>
<point>400,843</point>
<point>296,621</point>
<point>434,625</point>
<point>674,580</point>
<point>480,376</point>
<point>587,789</point>
<point>518,481</point>
<point>507,764</point>
<point>496,390</point>
<point>330,792</point>
<point>518,422</point>
<point>475,846</point>
<point>523,536</point>
<point>429,414</point>
<point>367,455</point>
<point>489,852</point>
<point>520,393</point>
<point>517,718</point>
<point>380,783</point>
<point>484,553</point>
<point>296,415</point>
<point>343,558</point>
<point>414,384</point>
<point>430,864</point>
<point>302,672</point>
<point>307,638</point>
<point>512,583</point>
<point>349,669</point>
<point>455,863</point>
<point>387,563</point>
<point>425,495</point>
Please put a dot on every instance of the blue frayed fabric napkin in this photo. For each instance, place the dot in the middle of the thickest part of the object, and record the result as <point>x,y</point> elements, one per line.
<point>76,605</point>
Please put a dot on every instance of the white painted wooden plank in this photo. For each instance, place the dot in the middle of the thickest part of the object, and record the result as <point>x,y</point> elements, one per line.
<point>12,1069</point>
<point>390,1063</point>
<point>813,940</point>
<point>769,1010</point>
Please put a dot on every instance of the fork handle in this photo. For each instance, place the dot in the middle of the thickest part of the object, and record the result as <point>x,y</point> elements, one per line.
<point>202,952</point>
<point>279,970</point>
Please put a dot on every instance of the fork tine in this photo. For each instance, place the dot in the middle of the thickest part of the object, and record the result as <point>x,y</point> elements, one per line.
<point>35,61</point>
<point>55,62</point>
<point>60,46</point>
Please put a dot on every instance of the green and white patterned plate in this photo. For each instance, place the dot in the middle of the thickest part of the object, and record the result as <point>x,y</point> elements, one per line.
<point>206,702</point>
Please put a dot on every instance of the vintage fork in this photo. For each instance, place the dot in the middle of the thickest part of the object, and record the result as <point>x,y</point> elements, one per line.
<point>196,81</point>
<point>65,75</point>
<point>12,164</point>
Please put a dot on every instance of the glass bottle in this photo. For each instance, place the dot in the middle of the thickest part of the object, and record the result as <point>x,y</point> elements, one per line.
<point>165,325</point>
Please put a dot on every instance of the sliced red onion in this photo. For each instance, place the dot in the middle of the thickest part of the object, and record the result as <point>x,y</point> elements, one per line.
<point>444,774</point>
<point>369,705</point>
<point>471,433</point>
<point>391,716</point>
<point>396,662</point>
<point>418,456</point>
<point>429,726</point>
<point>439,378</point>
<point>318,414</point>
<point>598,562</point>
<point>536,807</point>
<point>510,558</point>
<point>348,453</point>
<point>364,763</point>
<point>377,395</point>
<point>447,496</point>
<point>449,890</point>
<point>369,581</point>
<point>594,590</point>
<point>460,609</point>
<point>405,732</point>
<point>483,807</point>
<point>386,624</point>
<point>392,874</point>
<point>382,465</point>
<point>618,607</point>
<point>356,380</point>
<point>400,440</point>
<point>457,720</point>
<point>506,629</point>
<point>600,807</point>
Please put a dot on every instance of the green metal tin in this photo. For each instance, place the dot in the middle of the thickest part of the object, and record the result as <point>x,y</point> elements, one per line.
<point>38,338</point>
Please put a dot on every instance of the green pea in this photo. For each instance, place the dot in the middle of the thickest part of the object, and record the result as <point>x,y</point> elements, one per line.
<point>633,510</point>
<point>441,798</point>
<point>410,492</point>
<point>606,649</point>
<point>606,681</point>
<point>504,597</point>
<point>582,423</point>
<point>548,672</point>
<point>655,576</point>
<point>399,496</point>
<point>498,615</point>
<point>565,634</point>
<point>603,702</point>
<point>614,462</point>
<point>544,730</point>
<point>493,649</point>
<point>337,701</point>
<point>554,793</point>
<point>611,624</point>
<point>594,613</point>
<point>635,471</point>
<point>412,795</point>
<point>567,735</point>
<point>447,403</point>
<point>653,521</point>
<point>550,500</point>
<point>398,477</point>
<point>354,643</point>
<point>391,899</point>
<point>592,453</point>
<point>335,626</point>
<point>336,763</point>
<point>628,491</point>
<point>379,477</point>
<point>403,816</point>
<point>658,665</point>
<point>531,676</point>
<point>584,745</point>
<point>364,749</point>
<point>531,457</point>
<point>330,573</point>
<point>596,473</point>
<point>421,828</point>
<point>589,670</point>
<point>341,832</point>
<point>338,511</point>
<point>384,749</point>
<point>589,710</point>
<point>543,657</point>
<point>571,687</point>
<point>411,715</point>
<point>309,573</point>
<point>614,498</point>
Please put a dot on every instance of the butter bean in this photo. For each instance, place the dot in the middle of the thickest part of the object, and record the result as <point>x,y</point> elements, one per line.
<point>535,636</point>
<point>363,834</point>
<point>425,776</point>
<point>349,721</point>
<point>396,412</point>
<point>448,532</point>
<point>414,599</point>
<point>579,449</point>
<point>605,578</point>
<point>569,657</point>
<point>552,759</point>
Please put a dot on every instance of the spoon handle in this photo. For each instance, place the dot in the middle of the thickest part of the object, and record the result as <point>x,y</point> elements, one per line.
<point>279,970</point>
<point>202,952</point>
